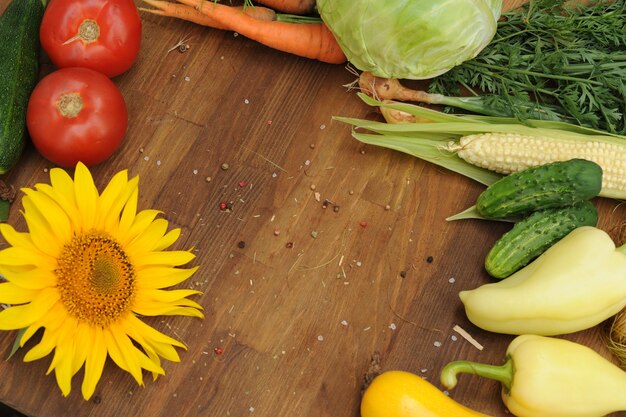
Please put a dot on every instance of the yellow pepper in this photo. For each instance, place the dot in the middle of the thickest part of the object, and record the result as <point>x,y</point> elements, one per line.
<point>576,284</point>
<point>550,377</point>
<point>403,394</point>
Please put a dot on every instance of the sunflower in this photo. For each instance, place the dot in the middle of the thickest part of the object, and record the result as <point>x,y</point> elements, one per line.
<point>88,268</point>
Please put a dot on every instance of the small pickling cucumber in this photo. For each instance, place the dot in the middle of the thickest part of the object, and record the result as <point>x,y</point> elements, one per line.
<point>534,234</point>
<point>551,185</point>
<point>19,73</point>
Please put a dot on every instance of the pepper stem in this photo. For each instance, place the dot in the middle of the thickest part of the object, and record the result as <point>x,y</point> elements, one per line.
<point>502,373</point>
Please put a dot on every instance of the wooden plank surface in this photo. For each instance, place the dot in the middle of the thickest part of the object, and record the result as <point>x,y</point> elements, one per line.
<point>299,297</point>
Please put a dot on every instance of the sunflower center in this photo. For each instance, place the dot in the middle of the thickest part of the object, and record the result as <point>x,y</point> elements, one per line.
<point>96,279</point>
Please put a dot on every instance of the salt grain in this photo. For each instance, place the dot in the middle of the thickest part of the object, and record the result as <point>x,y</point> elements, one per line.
<point>452,280</point>
<point>393,326</point>
<point>320,338</point>
<point>437,343</point>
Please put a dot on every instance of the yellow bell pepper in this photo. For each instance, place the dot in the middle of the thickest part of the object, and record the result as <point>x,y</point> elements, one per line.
<point>403,394</point>
<point>550,377</point>
<point>576,284</point>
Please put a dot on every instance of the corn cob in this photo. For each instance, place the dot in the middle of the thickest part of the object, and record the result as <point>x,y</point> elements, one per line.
<point>506,153</point>
<point>485,148</point>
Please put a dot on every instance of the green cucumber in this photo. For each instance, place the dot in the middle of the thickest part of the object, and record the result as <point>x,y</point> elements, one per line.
<point>19,73</point>
<point>551,185</point>
<point>533,235</point>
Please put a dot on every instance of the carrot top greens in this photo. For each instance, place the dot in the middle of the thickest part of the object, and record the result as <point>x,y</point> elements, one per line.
<point>567,63</point>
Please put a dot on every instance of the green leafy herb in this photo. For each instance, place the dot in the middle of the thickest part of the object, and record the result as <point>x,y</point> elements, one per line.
<point>552,62</point>
<point>5,205</point>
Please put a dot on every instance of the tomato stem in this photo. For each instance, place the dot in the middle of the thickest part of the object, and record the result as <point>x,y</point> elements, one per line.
<point>88,32</point>
<point>70,105</point>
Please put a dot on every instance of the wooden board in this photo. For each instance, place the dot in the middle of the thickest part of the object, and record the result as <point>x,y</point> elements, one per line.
<point>299,297</point>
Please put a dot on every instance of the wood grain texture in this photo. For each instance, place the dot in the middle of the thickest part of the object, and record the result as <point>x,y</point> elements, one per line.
<point>301,306</point>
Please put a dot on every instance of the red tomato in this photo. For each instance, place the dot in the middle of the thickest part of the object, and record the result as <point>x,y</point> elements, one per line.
<point>103,35</point>
<point>76,114</point>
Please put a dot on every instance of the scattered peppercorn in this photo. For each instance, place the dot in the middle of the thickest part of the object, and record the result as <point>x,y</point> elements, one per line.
<point>429,259</point>
<point>289,245</point>
<point>403,274</point>
<point>241,244</point>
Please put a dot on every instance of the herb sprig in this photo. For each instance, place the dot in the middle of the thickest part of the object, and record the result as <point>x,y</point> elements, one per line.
<point>553,62</point>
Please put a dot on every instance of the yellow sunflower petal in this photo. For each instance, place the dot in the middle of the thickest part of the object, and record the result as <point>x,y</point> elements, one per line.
<point>28,333</point>
<point>134,358</point>
<point>118,199</point>
<point>31,279</point>
<point>142,221</point>
<point>65,202</point>
<point>51,322</point>
<point>110,198</point>
<point>20,256</point>
<point>145,240</point>
<point>162,276</point>
<point>137,326</point>
<point>166,258</point>
<point>83,343</point>
<point>120,349</point>
<point>154,357</point>
<point>128,214</point>
<point>168,310</point>
<point>113,349</point>
<point>151,362</point>
<point>15,238</point>
<point>153,341</point>
<point>41,231</point>
<point>86,196</point>
<point>17,317</point>
<point>94,364</point>
<point>43,348</point>
<point>63,189</point>
<point>166,296</point>
<point>60,224</point>
<point>13,294</point>
<point>63,357</point>
<point>167,240</point>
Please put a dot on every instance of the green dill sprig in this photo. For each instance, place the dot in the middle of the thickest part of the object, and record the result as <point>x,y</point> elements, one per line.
<point>551,61</point>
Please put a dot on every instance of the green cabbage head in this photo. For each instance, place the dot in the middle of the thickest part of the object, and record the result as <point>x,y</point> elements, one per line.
<point>412,39</point>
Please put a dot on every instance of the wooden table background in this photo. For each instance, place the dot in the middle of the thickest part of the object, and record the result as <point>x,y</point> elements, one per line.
<point>298,317</point>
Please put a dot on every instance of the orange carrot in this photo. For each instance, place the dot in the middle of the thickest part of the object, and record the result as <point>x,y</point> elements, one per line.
<point>180,11</point>
<point>301,7</point>
<point>310,40</point>
<point>190,14</point>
